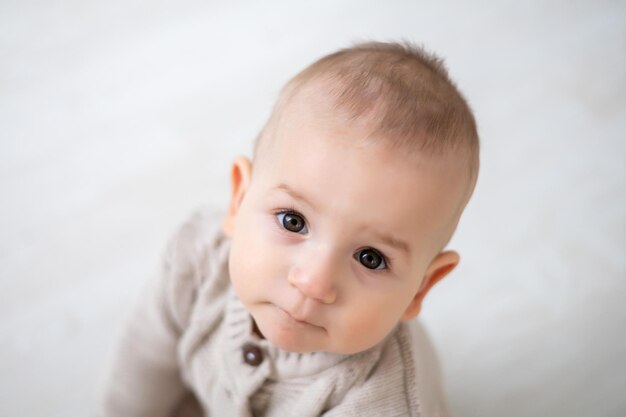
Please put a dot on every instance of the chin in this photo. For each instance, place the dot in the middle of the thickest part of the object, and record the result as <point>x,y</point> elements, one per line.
<point>293,348</point>
<point>287,341</point>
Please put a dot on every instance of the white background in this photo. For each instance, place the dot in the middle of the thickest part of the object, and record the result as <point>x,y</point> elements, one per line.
<point>117,118</point>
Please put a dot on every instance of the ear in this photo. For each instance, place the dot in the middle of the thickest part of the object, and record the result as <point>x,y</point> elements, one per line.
<point>441,266</point>
<point>240,175</point>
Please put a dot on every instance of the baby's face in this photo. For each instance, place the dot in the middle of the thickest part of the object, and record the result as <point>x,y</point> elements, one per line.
<point>331,241</point>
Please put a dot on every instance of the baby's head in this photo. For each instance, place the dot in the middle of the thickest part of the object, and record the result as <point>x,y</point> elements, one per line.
<point>359,178</point>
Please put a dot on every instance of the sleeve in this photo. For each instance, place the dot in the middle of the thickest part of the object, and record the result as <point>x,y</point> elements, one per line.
<point>146,380</point>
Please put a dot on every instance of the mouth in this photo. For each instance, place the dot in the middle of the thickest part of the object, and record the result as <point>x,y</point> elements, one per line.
<point>296,318</point>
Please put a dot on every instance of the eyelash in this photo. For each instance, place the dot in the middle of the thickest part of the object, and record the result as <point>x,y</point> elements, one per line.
<point>291,210</point>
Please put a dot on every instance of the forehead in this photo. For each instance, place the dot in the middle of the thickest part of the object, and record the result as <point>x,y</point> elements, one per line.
<point>357,181</point>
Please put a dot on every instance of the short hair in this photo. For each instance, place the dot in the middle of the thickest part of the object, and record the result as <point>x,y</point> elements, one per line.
<point>404,91</point>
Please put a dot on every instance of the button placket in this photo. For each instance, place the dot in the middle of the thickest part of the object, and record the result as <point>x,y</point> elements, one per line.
<point>252,354</point>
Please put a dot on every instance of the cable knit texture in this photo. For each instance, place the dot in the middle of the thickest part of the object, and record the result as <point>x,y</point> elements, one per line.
<point>183,353</point>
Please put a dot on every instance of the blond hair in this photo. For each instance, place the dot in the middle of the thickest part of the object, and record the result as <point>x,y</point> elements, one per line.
<point>404,92</point>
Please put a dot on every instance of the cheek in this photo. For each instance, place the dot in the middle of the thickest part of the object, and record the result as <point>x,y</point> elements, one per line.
<point>252,262</point>
<point>370,321</point>
<point>245,265</point>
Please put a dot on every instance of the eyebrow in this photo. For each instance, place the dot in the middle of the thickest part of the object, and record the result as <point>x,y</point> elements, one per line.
<point>392,241</point>
<point>295,195</point>
<point>384,237</point>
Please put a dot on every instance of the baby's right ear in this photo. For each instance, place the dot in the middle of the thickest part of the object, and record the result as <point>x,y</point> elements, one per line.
<point>240,175</point>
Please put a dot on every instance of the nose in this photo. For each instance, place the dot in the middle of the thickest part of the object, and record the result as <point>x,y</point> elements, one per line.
<point>315,277</point>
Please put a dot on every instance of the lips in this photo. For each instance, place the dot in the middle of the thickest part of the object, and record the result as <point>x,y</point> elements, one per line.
<point>299,318</point>
<point>295,317</point>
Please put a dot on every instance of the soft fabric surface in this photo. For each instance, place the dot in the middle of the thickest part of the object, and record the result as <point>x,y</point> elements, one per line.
<point>117,118</point>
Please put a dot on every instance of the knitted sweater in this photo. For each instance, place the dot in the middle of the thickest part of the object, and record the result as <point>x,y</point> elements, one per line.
<point>189,350</point>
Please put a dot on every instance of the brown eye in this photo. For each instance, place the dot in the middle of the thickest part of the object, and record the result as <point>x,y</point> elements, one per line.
<point>371,258</point>
<point>292,222</point>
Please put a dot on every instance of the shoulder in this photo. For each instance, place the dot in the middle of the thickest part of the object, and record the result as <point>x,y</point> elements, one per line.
<point>198,240</point>
<point>422,372</point>
<point>195,258</point>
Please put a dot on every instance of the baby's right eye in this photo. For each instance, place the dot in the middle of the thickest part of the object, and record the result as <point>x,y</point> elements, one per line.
<point>292,222</point>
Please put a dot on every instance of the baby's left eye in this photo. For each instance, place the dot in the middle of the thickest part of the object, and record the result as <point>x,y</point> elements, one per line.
<point>371,259</point>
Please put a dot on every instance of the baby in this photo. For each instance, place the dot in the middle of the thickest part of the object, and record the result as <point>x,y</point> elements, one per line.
<point>299,300</point>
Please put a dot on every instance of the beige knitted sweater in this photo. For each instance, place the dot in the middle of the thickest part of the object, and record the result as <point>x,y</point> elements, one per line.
<point>189,350</point>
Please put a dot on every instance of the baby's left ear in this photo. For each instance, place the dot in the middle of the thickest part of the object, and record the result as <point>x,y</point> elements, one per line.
<point>441,266</point>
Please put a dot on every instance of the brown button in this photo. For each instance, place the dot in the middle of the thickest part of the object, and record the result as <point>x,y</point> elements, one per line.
<point>252,354</point>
